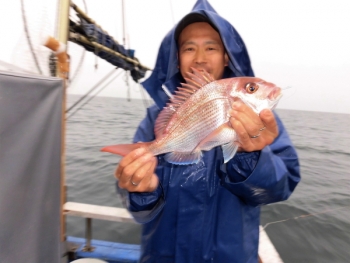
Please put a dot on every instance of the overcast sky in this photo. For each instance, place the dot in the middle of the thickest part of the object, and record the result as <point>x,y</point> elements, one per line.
<point>303,45</point>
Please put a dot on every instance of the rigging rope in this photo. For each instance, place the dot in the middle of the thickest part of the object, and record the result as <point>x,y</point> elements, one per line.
<point>91,90</point>
<point>145,103</point>
<point>109,82</point>
<point>28,38</point>
<point>82,58</point>
<point>172,12</point>
<point>126,79</point>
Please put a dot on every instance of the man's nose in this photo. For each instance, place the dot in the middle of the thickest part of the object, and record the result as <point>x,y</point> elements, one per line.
<point>200,57</point>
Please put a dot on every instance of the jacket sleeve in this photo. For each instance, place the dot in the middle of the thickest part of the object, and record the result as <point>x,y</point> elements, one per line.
<point>266,176</point>
<point>145,206</point>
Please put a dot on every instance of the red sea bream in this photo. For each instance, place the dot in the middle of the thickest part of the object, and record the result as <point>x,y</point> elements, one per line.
<point>197,117</point>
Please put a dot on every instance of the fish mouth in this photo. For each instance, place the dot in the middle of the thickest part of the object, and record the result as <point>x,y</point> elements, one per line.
<point>275,94</point>
<point>274,98</point>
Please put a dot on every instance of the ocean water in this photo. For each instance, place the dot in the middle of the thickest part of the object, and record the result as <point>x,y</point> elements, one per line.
<point>313,226</point>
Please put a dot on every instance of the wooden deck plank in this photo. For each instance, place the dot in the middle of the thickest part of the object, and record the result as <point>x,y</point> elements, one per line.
<point>97,212</point>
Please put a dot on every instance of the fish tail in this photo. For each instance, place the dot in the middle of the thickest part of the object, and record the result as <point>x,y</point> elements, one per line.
<point>123,149</point>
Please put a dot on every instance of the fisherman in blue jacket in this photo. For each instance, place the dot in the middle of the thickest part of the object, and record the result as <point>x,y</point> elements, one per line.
<point>209,211</point>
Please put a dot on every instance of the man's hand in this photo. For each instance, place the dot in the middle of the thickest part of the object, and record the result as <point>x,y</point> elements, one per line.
<point>135,172</point>
<point>254,131</point>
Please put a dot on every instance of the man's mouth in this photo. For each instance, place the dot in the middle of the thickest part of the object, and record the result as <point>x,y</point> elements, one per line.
<point>201,70</point>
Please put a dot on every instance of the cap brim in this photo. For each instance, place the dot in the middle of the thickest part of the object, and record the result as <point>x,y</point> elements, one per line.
<point>190,19</point>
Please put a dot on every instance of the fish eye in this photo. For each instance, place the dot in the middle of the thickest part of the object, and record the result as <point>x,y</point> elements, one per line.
<point>251,87</point>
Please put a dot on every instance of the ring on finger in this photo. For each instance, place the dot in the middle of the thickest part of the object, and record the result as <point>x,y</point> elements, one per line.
<point>133,183</point>
<point>255,136</point>
<point>263,128</point>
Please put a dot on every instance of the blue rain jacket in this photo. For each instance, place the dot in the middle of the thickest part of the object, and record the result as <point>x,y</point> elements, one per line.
<point>209,211</point>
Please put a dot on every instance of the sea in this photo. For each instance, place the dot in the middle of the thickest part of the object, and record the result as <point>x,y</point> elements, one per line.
<point>312,226</point>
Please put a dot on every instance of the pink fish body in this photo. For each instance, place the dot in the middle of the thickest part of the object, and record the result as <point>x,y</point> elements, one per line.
<point>196,119</point>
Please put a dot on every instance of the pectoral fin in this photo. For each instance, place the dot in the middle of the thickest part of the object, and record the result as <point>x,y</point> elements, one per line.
<point>229,150</point>
<point>219,136</point>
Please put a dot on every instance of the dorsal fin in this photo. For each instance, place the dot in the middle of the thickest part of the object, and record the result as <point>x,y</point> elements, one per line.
<point>203,75</point>
<point>194,82</point>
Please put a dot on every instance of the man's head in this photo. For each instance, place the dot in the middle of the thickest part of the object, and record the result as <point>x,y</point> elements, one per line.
<point>200,46</point>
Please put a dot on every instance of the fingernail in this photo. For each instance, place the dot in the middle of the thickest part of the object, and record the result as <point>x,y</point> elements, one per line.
<point>147,156</point>
<point>236,104</point>
<point>231,113</point>
<point>266,113</point>
<point>139,151</point>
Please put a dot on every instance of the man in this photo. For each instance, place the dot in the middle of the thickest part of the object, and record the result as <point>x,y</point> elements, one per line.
<point>206,212</point>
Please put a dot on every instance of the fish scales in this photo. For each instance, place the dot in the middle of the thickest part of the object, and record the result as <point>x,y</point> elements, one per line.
<point>202,113</point>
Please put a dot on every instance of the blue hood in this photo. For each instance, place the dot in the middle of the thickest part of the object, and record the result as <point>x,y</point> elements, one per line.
<point>166,71</point>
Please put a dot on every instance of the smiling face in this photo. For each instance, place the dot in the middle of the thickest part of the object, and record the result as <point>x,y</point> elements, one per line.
<point>200,46</point>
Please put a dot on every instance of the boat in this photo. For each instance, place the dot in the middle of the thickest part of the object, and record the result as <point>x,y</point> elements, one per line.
<point>33,206</point>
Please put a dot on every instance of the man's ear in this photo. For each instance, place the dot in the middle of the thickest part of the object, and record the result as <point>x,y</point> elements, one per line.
<point>226,59</point>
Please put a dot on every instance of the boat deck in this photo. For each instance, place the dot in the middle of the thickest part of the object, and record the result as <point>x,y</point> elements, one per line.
<point>119,252</point>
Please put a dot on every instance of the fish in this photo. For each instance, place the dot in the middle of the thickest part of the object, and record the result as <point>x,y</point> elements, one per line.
<point>196,118</point>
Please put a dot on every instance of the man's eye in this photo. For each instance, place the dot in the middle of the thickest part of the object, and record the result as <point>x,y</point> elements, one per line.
<point>187,49</point>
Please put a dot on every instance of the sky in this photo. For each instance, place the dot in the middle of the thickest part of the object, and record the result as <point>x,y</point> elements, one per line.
<point>301,46</point>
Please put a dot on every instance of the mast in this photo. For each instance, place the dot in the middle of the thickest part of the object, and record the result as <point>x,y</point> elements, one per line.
<point>62,36</point>
<point>123,17</point>
<point>124,44</point>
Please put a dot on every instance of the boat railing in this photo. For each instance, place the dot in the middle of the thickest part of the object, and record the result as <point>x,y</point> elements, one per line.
<point>90,212</point>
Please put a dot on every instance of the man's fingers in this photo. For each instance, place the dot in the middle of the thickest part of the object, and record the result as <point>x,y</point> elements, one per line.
<point>126,160</point>
<point>254,131</point>
<point>143,171</point>
<point>154,180</point>
<point>132,156</point>
<point>153,183</point>
<point>127,168</point>
<point>268,118</point>
<point>243,136</point>
<point>136,171</point>
<point>249,119</point>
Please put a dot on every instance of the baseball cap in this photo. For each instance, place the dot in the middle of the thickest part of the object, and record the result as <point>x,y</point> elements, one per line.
<point>189,19</point>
